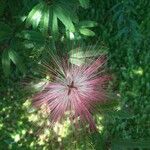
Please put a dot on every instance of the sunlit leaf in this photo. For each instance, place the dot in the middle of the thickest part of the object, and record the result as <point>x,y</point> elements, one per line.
<point>45,19</point>
<point>35,15</point>
<point>54,26</point>
<point>86,32</point>
<point>77,61</point>
<point>71,12</point>
<point>80,53</point>
<point>78,56</point>
<point>16,59</point>
<point>64,17</point>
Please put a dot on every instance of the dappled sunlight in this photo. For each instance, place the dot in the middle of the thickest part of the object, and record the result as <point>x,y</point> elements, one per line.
<point>99,119</point>
<point>59,133</point>
<point>62,130</point>
<point>36,124</point>
<point>15,137</point>
<point>138,71</point>
<point>1,125</point>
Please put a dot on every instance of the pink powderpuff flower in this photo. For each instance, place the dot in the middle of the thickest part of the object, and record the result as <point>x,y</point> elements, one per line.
<point>74,88</point>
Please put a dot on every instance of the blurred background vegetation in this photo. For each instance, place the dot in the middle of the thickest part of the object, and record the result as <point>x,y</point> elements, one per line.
<point>29,29</point>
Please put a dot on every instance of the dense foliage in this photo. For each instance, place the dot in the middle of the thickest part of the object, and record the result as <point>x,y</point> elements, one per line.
<point>29,29</point>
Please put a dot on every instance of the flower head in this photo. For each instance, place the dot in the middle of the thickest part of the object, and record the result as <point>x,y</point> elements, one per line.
<point>74,88</point>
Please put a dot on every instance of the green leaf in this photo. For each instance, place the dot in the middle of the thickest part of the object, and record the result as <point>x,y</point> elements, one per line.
<point>86,32</point>
<point>97,141</point>
<point>33,36</point>
<point>77,61</point>
<point>64,17</point>
<point>54,26</point>
<point>79,55</point>
<point>71,12</point>
<point>117,114</point>
<point>6,62</point>
<point>53,23</point>
<point>45,20</point>
<point>4,26</point>
<point>84,3</point>
<point>91,51</point>
<point>16,60</point>
<point>2,6</point>
<point>5,31</point>
<point>35,15</point>
<point>130,144</point>
<point>87,23</point>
